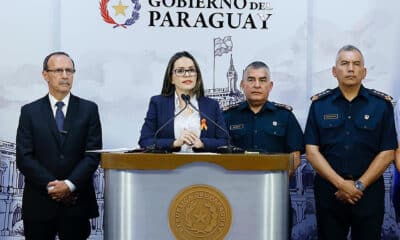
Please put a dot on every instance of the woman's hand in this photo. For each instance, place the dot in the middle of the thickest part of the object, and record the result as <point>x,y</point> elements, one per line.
<point>190,138</point>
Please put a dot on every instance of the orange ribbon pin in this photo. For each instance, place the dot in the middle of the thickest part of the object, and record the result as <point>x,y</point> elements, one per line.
<point>203,125</point>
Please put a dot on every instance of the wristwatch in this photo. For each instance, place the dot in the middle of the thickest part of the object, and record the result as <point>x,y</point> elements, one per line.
<point>359,185</point>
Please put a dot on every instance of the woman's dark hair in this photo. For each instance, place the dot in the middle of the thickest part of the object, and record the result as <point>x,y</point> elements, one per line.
<point>168,88</point>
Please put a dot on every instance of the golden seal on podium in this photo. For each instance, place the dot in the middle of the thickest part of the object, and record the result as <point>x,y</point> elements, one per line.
<point>200,212</point>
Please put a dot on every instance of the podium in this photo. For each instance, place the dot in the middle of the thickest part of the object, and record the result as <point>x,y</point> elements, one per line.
<point>195,196</point>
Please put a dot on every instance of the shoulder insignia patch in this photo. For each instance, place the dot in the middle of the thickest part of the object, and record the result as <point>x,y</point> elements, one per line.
<point>381,95</point>
<point>280,105</point>
<point>231,107</point>
<point>321,95</point>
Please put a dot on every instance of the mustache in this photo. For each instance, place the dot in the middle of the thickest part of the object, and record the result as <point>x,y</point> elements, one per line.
<point>64,82</point>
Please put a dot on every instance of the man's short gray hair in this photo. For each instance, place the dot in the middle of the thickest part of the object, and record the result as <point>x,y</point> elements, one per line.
<point>256,65</point>
<point>349,48</point>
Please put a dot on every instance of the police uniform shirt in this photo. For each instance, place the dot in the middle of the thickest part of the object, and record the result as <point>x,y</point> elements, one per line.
<point>351,134</point>
<point>397,119</point>
<point>274,129</point>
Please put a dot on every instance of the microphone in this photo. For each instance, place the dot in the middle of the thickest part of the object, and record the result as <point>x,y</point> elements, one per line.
<point>155,148</point>
<point>186,98</point>
<point>222,149</point>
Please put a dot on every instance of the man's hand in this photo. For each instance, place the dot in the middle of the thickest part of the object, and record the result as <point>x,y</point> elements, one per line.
<point>348,193</point>
<point>58,190</point>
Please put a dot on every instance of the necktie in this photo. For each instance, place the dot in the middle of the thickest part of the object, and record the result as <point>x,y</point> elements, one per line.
<point>60,116</point>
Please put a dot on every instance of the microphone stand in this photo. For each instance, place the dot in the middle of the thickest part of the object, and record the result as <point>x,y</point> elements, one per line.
<point>222,149</point>
<point>154,148</point>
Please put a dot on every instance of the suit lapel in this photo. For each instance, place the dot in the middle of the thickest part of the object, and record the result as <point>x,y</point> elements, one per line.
<point>49,118</point>
<point>170,114</point>
<point>201,105</point>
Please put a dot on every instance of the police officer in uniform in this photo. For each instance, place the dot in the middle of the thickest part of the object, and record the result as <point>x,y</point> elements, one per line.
<point>261,125</point>
<point>350,140</point>
<point>396,172</point>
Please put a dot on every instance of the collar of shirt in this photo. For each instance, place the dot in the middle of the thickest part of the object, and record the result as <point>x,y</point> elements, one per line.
<point>193,100</point>
<point>361,93</point>
<point>267,106</point>
<point>53,102</point>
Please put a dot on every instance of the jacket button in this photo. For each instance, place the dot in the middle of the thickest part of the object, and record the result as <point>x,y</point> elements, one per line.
<point>62,156</point>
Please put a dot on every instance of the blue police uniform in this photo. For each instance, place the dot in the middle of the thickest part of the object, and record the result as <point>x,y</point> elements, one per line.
<point>274,129</point>
<point>350,135</point>
<point>396,173</point>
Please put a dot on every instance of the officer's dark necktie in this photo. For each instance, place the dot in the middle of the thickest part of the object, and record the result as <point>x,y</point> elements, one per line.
<point>60,117</point>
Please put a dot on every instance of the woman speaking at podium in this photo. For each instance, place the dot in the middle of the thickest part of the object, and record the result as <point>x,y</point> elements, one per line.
<point>182,119</point>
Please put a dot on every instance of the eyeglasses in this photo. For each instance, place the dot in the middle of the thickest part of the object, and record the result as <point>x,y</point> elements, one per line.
<point>180,72</point>
<point>60,71</point>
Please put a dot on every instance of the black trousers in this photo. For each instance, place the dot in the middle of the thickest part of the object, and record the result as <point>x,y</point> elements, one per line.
<point>67,228</point>
<point>335,224</point>
<point>290,225</point>
<point>335,219</point>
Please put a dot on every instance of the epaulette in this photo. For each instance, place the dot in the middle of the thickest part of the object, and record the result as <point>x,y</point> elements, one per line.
<point>381,95</point>
<point>231,107</point>
<point>321,94</point>
<point>280,105</point>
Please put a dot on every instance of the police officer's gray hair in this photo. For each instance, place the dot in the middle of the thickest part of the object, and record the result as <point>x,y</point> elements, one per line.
<point>349,48</point>
<point>256,65</point>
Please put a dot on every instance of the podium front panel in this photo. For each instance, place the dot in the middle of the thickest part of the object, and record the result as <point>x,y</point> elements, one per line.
<point>137,201</point>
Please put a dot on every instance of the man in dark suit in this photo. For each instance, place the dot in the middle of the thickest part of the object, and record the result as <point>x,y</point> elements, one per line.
<point>53,136</point>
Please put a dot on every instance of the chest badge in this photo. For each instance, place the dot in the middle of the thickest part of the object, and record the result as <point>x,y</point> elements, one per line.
<point>366,116</point>
<point>274,123</point>
<point>331,116</point>
<point>236,126</point>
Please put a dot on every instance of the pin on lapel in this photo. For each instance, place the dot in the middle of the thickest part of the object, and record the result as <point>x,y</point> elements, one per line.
<point>203,125</point>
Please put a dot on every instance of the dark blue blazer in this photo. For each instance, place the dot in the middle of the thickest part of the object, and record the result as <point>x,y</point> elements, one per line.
<point>43,155</point>
<point>162,108</point>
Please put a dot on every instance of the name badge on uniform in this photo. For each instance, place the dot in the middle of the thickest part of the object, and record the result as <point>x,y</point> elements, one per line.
<point>236,126</point>
<point>331,116</point>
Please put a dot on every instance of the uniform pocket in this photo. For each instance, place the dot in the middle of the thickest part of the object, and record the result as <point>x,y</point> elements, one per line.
<point>240,134</point>
<point>367,130</point>
<point>366,122</point>
<point>274,129</point>
<point>331,123</point>
<point>331,130</point>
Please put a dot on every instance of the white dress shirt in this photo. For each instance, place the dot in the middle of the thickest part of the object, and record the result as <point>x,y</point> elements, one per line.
<point>53,105</point>
<point>53,102</point>
<point>186,121</point>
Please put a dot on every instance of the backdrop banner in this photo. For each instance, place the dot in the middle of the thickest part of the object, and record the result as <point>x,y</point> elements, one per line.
<point>121,49</point>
